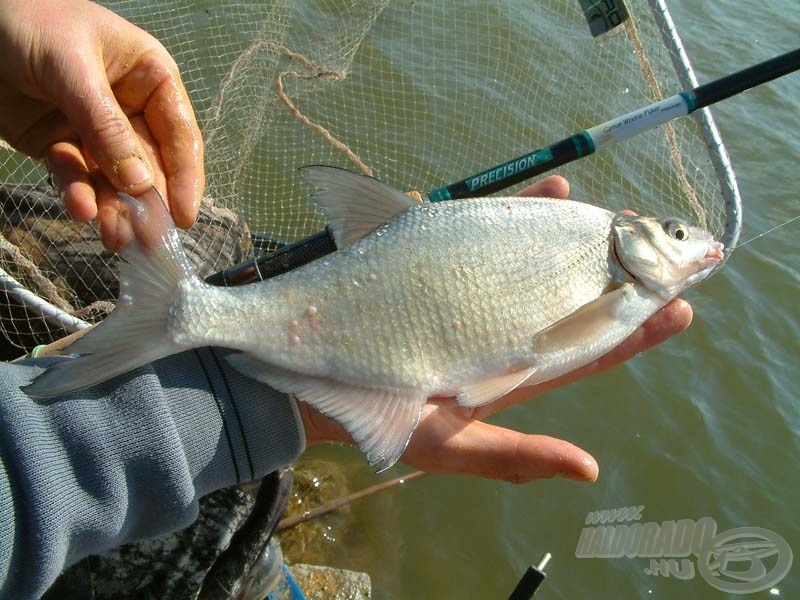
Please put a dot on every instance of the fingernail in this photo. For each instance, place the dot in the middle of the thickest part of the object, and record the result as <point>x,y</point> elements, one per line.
<point>592,468</point>
<point>132,171</point>
<point>58,185</point>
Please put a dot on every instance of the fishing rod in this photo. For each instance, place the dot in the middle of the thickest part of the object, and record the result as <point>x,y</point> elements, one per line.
<point>289,522</point>
<point>572,148</point>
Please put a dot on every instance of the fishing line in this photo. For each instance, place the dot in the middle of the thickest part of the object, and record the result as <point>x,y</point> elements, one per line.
<point>792,220</point>
<point>572,148</point>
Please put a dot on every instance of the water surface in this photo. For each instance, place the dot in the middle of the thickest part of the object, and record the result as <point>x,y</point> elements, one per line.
<point>707,425</point>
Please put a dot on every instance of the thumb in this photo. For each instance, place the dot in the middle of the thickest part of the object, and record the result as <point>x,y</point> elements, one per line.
<point>104,128</point>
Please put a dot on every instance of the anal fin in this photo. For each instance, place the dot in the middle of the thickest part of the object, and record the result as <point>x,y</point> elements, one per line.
<point>381,420</point>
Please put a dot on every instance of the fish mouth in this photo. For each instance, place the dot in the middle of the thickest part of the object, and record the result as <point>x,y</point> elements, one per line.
<point>715,251</point>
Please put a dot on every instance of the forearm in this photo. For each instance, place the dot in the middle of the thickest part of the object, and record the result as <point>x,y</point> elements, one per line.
<point>128,459</point>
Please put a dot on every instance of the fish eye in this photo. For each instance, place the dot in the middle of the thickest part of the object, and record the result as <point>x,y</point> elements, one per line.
<point>676,229</point>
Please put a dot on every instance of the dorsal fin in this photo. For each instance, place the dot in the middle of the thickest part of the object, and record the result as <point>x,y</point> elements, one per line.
<point>354,204</point>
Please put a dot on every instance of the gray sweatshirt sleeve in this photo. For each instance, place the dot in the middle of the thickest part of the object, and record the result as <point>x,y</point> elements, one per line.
<point>127,459</point>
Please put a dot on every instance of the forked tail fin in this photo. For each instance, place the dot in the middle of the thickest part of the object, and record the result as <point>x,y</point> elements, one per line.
<point>137,332</point>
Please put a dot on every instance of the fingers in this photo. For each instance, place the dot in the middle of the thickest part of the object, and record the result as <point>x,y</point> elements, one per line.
<point>447,442</point>
<point>76,86</point>
<point>670,320</point>
<point>113,215</point>
<point>162,134</point>
<point>146,83</point>
<point>105,130</point>
<point>66,163</point>
<point>87,193</point>
<point>554,186</point>
<point>171,119</point>
<point>154,88</point>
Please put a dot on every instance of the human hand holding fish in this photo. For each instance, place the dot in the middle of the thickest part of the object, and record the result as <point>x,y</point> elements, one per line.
<point>101,102</point>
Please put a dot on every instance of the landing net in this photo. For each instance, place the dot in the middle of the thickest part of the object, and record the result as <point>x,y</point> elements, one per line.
<point>418,94</point>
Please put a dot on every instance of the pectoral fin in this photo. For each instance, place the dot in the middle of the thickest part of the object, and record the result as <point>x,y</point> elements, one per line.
<point>381,420</point>
<point>569,343</point>
<point>590,331</point>
<point>585,324</point>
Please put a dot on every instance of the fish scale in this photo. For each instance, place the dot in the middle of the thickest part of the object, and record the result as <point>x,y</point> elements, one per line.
<point>471,298</point>
<point>409,349</point>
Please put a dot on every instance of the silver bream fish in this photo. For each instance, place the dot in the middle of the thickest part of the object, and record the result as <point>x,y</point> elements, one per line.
<point>467,298</point>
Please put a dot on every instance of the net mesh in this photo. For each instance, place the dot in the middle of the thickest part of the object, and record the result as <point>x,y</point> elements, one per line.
<point>419,94</point>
